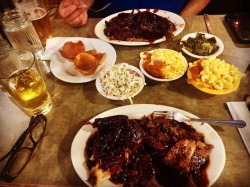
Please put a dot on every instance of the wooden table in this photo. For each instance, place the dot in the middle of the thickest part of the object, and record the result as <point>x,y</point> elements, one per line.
<point>74,104</point>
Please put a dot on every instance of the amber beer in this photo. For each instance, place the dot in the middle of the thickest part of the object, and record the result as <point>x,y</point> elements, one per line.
<point>29,90</point>
<point>40,20</point>
<point>20,75</point>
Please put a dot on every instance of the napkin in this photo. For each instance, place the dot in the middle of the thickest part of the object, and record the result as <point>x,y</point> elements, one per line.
<point>239,111</point>
<point>54,44</point>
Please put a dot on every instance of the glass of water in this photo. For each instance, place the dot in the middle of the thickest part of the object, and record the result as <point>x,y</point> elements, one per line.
<point>38,12</point>
<point>20,32</point>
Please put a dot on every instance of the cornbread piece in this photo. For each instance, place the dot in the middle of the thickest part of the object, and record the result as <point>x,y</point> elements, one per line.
<point>87,63</point>
<point>71,49</point>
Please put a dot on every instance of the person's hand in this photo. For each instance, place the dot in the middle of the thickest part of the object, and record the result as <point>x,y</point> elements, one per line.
<point>73,12</point>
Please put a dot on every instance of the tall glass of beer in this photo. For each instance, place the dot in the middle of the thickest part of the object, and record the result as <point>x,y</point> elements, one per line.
<point>21,78</point>
<point>38,13</point>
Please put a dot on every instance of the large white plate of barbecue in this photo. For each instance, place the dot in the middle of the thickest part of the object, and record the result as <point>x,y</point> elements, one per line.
<point>147,150</point>
<point>165,25</point>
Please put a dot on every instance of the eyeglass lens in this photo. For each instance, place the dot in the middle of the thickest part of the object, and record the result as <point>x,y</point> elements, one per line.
<point>12,169</point>
<point>38,131</point>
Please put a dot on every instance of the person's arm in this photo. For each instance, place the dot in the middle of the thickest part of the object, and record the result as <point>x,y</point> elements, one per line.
<point>74,12</point>
<point>194,7</point>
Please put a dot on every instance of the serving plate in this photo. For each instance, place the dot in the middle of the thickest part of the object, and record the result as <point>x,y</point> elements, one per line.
<point>239,23</point>
<point>78,154</point>
<point>215,92</point>
<point>176,19</point>
<point>64,70</point>
<point>160,79</point>
<point>207,35</point>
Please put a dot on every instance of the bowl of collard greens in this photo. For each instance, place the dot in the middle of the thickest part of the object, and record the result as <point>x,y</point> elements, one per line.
<point>201,45</point>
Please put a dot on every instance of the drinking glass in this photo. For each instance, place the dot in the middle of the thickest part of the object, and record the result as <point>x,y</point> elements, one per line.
<point>4,48</point>
<point>20,32</point>
<point>38,13</point>
<point>20,76</point>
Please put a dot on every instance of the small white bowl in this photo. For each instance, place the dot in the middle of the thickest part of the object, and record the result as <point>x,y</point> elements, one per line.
<point>160,79</point>
<point>207,35</point>
<point>121,97</point>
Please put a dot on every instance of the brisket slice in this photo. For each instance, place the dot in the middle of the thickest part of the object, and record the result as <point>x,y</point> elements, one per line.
<point>117,138</point>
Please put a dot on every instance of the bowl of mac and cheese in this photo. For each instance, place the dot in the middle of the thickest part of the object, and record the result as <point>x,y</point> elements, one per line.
<point>214,76</point>
<point>163,64</point>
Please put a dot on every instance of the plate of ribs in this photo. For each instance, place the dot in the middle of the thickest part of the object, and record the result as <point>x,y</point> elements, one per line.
<point>129,146</point>
<point>139,27</point>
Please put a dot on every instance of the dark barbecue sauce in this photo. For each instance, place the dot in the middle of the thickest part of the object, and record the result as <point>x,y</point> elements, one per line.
<point>141,26</point>
<point>89,151</point>
<point>144,165</point>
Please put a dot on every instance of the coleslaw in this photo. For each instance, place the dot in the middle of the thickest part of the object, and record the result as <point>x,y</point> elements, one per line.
<point>121,82</point>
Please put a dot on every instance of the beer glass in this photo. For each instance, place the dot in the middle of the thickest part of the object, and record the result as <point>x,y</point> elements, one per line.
<point>20,32</point>
<point>20,76</point>
<point>38,13</point>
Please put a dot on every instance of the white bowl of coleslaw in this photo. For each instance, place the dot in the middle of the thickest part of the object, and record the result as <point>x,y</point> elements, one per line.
<point>120,82</point>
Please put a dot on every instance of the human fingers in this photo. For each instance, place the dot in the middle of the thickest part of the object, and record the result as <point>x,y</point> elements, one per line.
<point>80,21</point>
<point>77,18</point>
<point>66,3</point>
<point>85,18</point>
<point>65,11</point>
<point>77,3</point>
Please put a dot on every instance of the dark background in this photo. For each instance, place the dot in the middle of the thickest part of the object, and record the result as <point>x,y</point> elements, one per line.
<point>227,7</point>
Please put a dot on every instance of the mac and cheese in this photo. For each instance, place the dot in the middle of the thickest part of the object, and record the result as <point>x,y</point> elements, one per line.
<point>164,63</point>
<point>215,74</point>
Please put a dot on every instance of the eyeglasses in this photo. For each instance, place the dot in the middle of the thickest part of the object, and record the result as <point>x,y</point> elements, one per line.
<point>20,155</point>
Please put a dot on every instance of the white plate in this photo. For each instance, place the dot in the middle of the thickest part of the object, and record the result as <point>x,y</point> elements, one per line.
<point>100,90</point>
<point>217,156</point>
<point>159,79</point>
<point>176,19</point>
<point>59,64</point>
<point>207,35</point>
